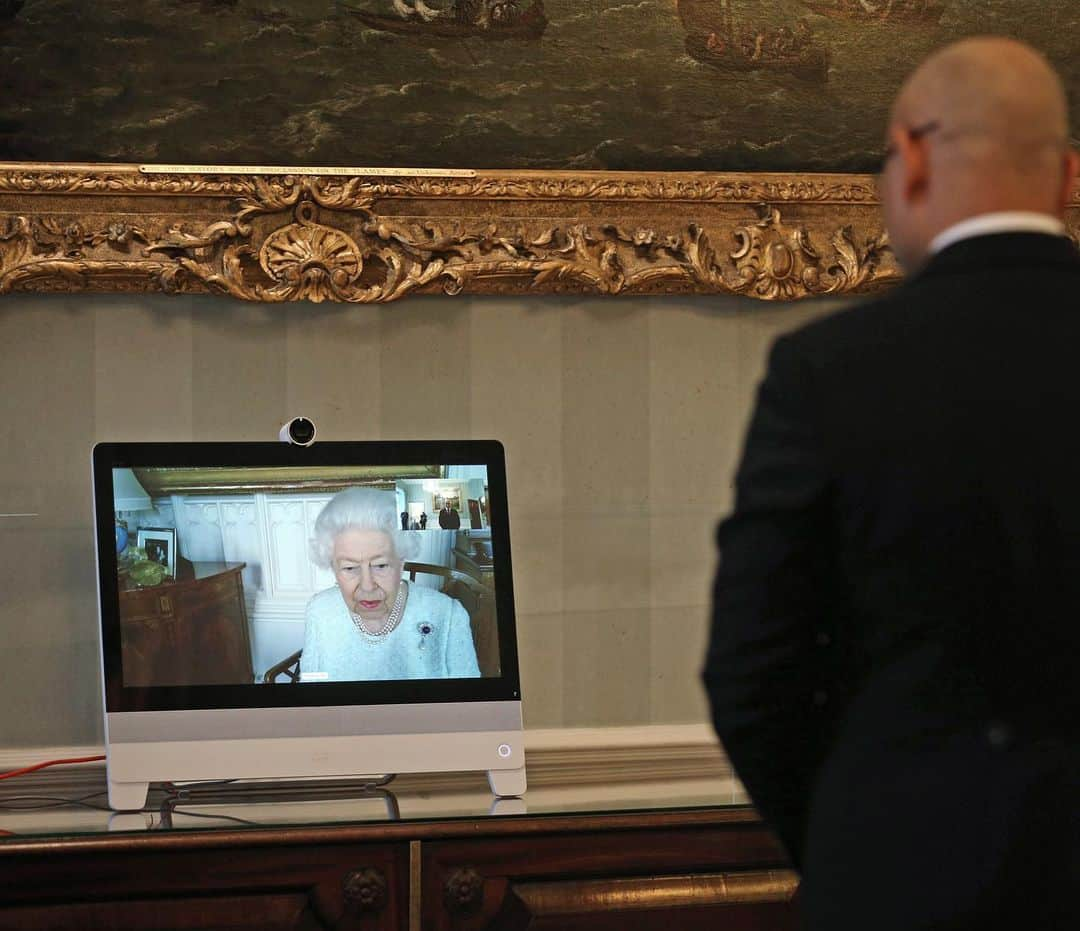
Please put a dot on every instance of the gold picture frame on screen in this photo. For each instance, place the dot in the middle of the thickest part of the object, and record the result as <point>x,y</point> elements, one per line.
<point>240,147</point>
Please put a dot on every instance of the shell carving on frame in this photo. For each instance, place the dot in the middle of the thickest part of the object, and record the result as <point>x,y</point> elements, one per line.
<point>310,261</point>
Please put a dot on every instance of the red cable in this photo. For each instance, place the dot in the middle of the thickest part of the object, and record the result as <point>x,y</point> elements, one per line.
<point>37,766</point>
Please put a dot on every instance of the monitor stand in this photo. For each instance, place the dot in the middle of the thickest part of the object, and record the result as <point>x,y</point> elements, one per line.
<point>218,744</point>
<point>508,806</point>
<point>127,796</point>
<point>507,783</point>
<point>131,796</point>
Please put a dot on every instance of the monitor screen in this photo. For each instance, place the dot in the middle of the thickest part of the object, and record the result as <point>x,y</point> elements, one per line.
<point>248,575</point>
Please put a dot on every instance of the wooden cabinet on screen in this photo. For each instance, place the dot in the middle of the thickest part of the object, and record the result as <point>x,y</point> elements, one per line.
<point>191,631</point>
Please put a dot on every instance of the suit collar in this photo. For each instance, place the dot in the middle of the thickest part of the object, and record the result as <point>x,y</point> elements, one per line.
<point>1000,221</point>
<point>1002,250</point>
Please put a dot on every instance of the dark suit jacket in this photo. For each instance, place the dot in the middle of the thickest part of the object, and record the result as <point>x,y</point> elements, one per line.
<point>449,519</point>
<point>896,633</point>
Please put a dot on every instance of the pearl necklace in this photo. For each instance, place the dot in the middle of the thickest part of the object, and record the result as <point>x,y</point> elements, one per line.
<point>392,621</point>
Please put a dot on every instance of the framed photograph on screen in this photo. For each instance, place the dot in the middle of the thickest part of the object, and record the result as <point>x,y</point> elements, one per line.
<point>160,546</point>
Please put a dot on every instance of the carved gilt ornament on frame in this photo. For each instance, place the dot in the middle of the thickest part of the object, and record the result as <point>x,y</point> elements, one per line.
<point>374,235</point>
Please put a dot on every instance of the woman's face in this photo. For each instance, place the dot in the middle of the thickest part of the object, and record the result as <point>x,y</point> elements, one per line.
<point>367,571</point>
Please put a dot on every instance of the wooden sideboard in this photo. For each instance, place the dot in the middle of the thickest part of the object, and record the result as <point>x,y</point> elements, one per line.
<point>192,631</point>
<point>650,870</point>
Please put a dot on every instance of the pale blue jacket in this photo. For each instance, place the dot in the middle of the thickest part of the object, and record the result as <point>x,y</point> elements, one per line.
<point>432,641</point>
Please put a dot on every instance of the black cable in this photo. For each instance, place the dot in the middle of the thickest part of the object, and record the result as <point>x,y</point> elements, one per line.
<point>173,788</point>
<point>54,802</point>
<point>199,814</point>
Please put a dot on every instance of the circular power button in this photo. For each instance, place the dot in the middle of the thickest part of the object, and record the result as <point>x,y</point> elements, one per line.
<point>504,750</point>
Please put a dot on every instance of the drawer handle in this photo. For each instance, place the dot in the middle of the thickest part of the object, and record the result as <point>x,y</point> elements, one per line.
<point>586,896</point>
<point>464,891</point>
<point>364,891</point>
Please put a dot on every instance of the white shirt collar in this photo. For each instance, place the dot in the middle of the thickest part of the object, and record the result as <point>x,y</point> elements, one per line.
<point>1006,221</point>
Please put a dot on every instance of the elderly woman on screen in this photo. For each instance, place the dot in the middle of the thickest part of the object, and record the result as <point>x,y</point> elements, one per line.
<point>373,624</point>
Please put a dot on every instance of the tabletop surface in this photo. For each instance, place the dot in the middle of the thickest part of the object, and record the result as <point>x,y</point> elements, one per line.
<point>406,806</point>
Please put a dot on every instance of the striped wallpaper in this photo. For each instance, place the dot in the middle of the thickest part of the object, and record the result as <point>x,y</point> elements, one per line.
<point>622,422</point>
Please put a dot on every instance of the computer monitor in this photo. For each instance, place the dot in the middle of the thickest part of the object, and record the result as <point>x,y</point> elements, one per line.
<point>276,611</point>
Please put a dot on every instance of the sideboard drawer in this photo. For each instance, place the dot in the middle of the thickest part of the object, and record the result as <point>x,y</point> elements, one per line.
<point>712,878</point>
<point>361,887</point>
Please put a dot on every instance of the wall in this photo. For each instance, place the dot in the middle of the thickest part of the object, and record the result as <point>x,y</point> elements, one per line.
<point>622,422</point>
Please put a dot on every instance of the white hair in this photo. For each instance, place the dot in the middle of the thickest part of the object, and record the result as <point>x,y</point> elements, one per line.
<point>361,509</point>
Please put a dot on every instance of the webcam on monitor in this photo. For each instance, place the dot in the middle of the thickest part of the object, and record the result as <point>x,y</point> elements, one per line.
<point>300,431</point>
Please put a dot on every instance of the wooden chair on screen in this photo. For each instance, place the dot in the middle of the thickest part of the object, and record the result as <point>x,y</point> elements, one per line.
<point>476,598</point>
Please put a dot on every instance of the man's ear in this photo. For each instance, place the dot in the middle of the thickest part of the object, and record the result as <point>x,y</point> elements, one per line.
<point>1070,170</point>
<point>914,159</point>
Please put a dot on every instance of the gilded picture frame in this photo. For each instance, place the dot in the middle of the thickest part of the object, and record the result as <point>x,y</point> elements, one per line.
<point>374,238</point>
<point>162,481</point>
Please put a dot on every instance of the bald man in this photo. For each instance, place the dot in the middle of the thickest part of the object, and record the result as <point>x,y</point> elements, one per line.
<point>896,631</point>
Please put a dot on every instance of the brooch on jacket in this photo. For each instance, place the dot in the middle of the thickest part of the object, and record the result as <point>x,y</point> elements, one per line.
<point>425,629</point>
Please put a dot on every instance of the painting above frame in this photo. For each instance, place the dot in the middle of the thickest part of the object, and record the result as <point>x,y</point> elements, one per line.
<point>695,146</point>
